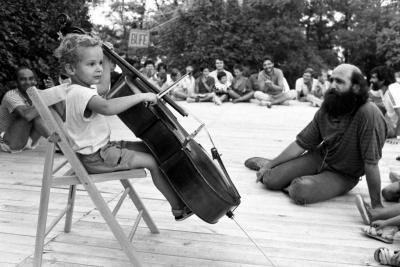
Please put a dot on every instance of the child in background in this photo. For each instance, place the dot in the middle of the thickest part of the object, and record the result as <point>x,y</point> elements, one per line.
<point>221,88</point>
<point>81,57</point>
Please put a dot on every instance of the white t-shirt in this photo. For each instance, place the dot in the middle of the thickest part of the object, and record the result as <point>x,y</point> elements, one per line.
<point>189,83</point>
<point>391,101</point>
<point>302,87</point>
<point>87,135</point>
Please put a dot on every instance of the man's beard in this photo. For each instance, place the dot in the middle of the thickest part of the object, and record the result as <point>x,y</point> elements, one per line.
<point>337,104</point>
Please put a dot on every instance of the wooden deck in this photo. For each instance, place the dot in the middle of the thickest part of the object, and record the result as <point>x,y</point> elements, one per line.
<point>324,234</point>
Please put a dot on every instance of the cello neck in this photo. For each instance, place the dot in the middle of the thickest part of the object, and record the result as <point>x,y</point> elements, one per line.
<point>130,70</point>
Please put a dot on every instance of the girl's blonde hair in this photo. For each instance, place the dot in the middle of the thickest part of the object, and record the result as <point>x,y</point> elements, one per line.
<point>67,52</point>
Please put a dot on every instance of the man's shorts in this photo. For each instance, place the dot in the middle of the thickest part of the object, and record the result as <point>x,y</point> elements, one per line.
<point>6,148</point>
<point>114,156</point>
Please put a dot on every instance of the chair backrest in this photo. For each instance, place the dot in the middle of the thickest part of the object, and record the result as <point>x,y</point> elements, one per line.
<point>41,99</point>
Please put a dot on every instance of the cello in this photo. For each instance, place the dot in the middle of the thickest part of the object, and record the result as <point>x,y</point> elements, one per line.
<point>202,182</point>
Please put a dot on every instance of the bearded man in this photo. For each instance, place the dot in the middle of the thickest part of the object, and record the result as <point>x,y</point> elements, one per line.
<point>342,143</point>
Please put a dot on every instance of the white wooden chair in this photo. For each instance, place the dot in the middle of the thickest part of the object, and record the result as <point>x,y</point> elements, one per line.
<point>77,174</point>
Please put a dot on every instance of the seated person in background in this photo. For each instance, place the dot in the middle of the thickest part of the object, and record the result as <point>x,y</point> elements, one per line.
<point>150,72</point>
<point>89,133</point>
<point>239,90</point>
<point>305,84</point>
<point>253,81</point>
<point>134,62</point>
<point>220,66</point>
<point>178,93</point>
<point>161,74</point>
<point>204,86</point>
<point>383,81</point>
<point>114,75</point>
<point>397,76</point>
<point>20,124</point>
<point>271,85</point>
<point>306,88</point>
<point>188,84</point>
<point>322,84</point>
<point>221,88</point>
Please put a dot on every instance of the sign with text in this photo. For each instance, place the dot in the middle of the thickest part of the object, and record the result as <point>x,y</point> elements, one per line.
<point>139,38</point>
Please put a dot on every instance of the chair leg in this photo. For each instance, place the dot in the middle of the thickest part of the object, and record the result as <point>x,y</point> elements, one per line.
<point>70,208</point>
<point>112,223</point>
<point>140,206</point>
<point>44,206</point>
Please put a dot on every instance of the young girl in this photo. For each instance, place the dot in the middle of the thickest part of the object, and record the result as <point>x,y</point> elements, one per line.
<point>81,57</point>
<point>221,88</point>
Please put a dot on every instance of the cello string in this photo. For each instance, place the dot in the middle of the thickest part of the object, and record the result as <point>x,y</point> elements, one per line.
<point>226,179</point>
<point>251,239</point>
<point>205,128</point>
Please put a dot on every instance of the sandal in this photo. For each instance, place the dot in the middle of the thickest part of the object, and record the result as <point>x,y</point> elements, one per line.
<point>363,209</point>
<point>387,256</point>
<point>385,235</point>
<point>182,214</point>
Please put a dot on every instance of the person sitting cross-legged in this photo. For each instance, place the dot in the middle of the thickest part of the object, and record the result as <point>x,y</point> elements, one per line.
<point>240,90</point>
<point>306,87</point>
<point>204,86</point>
<point>21,126</point>
<point>271,85</point>
<point>342,143</point>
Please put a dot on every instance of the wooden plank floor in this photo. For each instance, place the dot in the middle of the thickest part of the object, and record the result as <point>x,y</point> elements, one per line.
<point>324,234</point>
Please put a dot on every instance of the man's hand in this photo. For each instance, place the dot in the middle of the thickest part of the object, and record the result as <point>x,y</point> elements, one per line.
<point>268,84</point>
<point>264,170</point>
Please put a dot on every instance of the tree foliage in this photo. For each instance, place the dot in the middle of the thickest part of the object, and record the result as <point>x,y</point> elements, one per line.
<point>240,34</point>
<point>28,34</point>
<point>298,34</point>
<point>388,41</point>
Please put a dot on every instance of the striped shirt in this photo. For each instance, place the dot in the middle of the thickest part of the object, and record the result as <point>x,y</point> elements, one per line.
<point>10,102</point>
<point>348,142</point>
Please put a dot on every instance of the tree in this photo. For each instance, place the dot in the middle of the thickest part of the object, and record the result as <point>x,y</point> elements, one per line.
<point>388,39</point>
<point>28,34</point>
<point>240,34</point>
